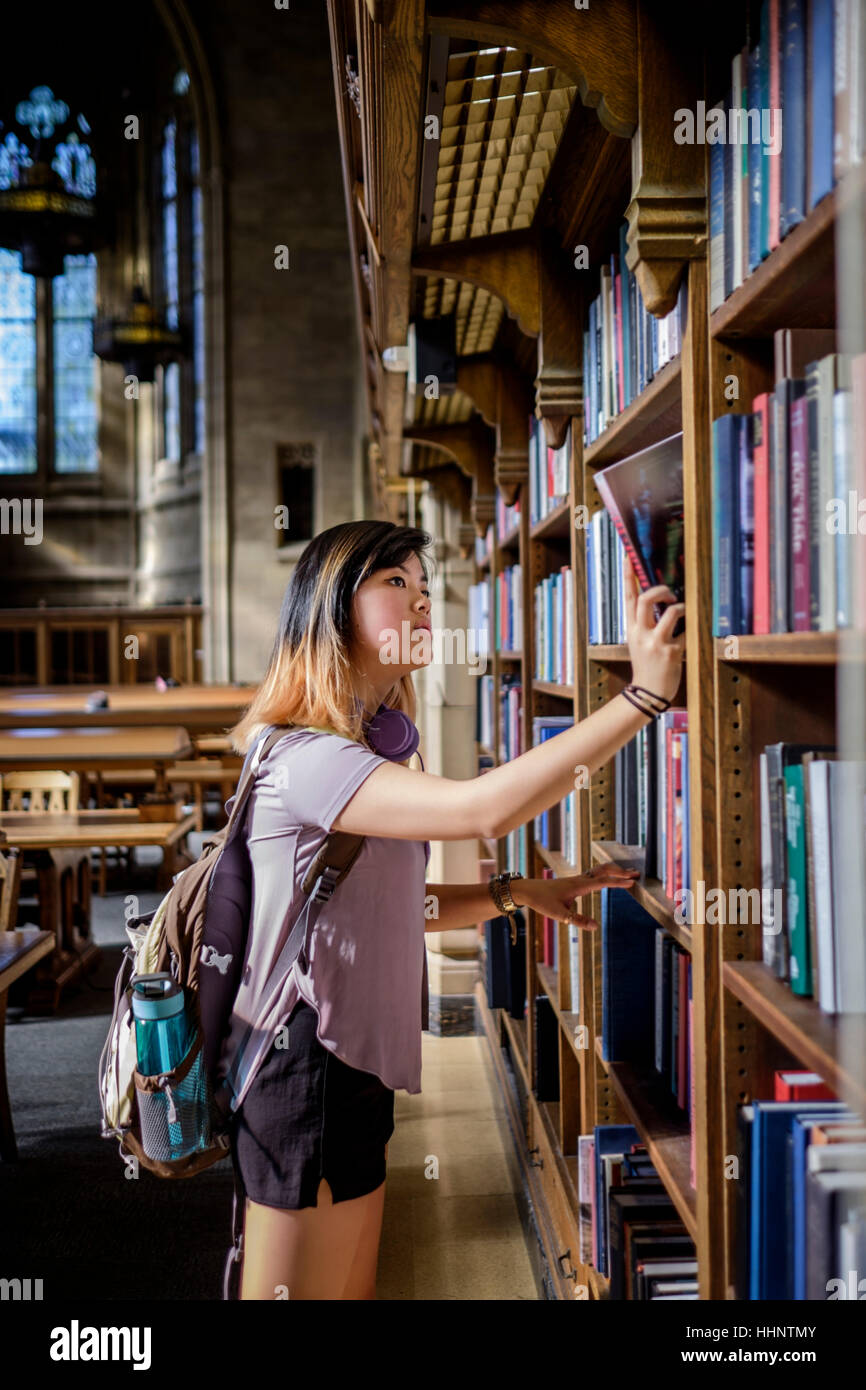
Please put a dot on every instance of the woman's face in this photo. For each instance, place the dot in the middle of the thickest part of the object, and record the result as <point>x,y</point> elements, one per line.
<point>391,623</point>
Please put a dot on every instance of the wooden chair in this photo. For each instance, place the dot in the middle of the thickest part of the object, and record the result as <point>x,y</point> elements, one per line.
<point>10,881</point>
<point>42,791</point>
<point>38,791</point>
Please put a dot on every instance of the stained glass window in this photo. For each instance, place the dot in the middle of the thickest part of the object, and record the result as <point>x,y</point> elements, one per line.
<point>197,293</point>
<point>76,368</point>
<point>171,288</point>
<point>17,366</point>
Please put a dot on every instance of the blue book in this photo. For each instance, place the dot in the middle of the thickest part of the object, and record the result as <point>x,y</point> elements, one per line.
<point>717,226</point>
<point>726,574</point>
<point>628,966</point>
<point>820,51</point>
<point>765,146</point>
<point>798,1146</point>
<point>794,122</point>
<point>608,1139</point>
<point>771,1243</point>
<point>730,168</point>
<point>755,154</point>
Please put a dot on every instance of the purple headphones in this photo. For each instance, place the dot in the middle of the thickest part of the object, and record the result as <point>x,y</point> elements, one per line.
<point>392,734</point>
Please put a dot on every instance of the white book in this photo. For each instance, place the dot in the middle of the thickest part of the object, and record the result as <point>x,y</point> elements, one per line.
<point>819,811</point>
<point>767,900</point>
<point>848,855</point>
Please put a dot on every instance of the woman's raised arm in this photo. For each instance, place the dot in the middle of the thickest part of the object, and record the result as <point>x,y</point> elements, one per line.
<point>404,804</point>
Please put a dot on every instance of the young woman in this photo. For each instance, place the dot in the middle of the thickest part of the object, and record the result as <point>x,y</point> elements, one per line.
<point>315,1106</point>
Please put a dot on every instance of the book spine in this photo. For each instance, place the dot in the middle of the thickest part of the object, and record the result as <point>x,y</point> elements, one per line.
<point>760,437</point>
<point>794,89</point>
<point>815,515</point>
<point>746,537</point>
<point>755,160</point>
<point>775,156</point>
<point>800,583</point>
<point>820,86</point>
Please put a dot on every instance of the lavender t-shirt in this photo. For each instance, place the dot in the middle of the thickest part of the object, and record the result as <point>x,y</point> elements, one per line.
<point>367,959</point>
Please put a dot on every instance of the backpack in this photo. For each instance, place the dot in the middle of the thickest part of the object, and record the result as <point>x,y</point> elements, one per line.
<point>198,934</point>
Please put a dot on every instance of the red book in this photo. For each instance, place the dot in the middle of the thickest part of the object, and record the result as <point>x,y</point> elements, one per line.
<point>800,570</point>
<point>620,375</point>
<point>669,777</point>
<point>761,459</point>
<point>801,1085</point>
<point>775,160</point>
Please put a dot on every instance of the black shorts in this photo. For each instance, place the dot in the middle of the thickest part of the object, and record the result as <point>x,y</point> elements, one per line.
<point>307,1116</point>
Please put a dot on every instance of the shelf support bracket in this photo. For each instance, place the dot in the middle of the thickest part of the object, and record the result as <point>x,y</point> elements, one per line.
<point>667,217</point>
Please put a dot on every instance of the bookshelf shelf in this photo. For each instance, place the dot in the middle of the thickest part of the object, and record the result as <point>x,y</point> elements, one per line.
<point>505,655</point>
<point>608,652</point>
<point>516,1029</point>
<point>561,692</point>
<point>511,540</point>
<point>664,1129</point>
<point>554,526</point>
<point>488,846</point>
<point>795,648</point>
<point>815,1038</point>
<point>793,288</point>
<point>484,752</point>
<point>650,893</point>
<point>555,860</point>
<point>655,414</point>
<point>549,980</point>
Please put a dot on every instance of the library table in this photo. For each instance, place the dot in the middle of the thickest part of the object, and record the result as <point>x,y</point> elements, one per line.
<point>96,749</point>
<point>60,843</point>
<point>199,708</point>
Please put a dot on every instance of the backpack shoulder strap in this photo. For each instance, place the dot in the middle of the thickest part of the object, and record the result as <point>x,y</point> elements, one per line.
<point>332,862</point>
<point>254,758</point>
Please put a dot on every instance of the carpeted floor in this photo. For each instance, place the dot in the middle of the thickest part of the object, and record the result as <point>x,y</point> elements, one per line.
<point>70,1215</point>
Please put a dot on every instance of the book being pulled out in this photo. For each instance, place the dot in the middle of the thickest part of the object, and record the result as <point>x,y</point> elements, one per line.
<point>644,496</point>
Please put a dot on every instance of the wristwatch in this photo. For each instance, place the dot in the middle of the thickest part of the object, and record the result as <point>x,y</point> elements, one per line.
<point>502,896</point>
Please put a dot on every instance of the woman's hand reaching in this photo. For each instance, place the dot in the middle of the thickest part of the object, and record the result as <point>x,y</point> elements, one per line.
<point>557,897</point>
<point>656,655</point>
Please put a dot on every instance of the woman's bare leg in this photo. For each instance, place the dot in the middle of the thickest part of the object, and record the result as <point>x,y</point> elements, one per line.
<point>314,1253</point>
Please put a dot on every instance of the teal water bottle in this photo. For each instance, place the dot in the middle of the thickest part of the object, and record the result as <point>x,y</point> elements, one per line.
<point>162,1034</point>
<point>172,1118</point>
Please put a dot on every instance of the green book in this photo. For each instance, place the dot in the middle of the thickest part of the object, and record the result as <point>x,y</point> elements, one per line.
<point>800,964</point>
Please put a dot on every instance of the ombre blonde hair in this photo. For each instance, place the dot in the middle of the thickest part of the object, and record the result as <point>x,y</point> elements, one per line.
<point>309,677</point>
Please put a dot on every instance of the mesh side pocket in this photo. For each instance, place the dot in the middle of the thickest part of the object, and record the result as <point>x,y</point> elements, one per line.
<point>174,1110</point>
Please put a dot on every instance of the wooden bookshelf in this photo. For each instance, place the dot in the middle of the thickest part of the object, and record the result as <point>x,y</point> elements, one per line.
<point>740,693</point>
<point>654,415</point>
<point>813,1037</point>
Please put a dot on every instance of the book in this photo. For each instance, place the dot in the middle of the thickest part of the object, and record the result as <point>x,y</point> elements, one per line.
<point>644,496</point>
<point>794,104</point>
